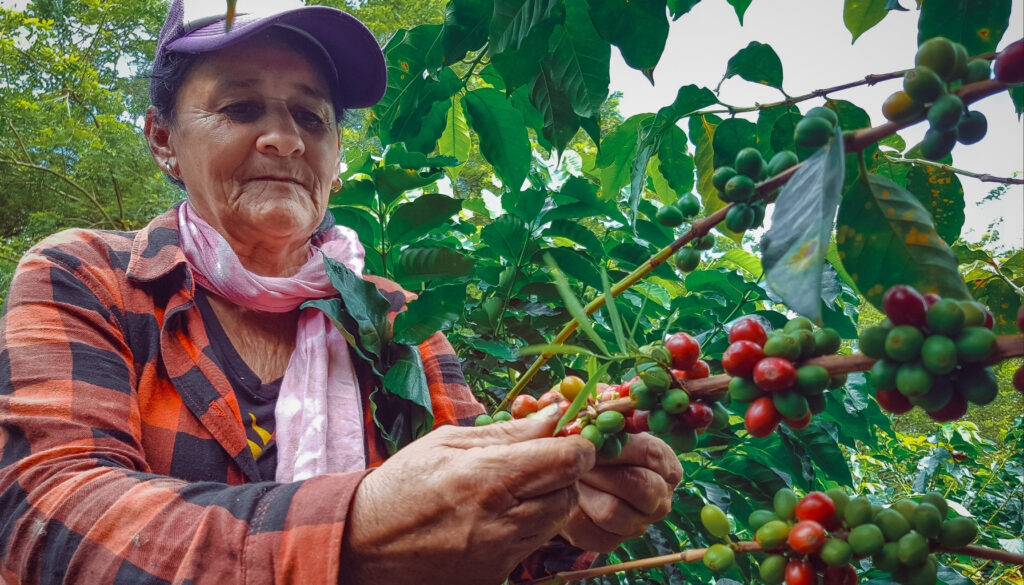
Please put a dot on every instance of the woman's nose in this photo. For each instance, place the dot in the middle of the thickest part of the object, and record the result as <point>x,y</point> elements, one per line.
<point>280,134</point>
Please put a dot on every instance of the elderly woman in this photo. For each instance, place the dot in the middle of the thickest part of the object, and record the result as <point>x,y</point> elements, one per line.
<point>169,415</point>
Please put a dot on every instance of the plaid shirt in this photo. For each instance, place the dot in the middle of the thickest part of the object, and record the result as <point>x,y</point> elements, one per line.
<point>123,458</point>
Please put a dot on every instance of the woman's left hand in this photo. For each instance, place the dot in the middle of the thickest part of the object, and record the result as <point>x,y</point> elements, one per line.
<point>620,498</point>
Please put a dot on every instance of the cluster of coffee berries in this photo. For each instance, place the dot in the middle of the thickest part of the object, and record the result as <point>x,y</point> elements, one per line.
<point>764,374</point>
<point>685,208</point>
<point>736,184</point>
<point>659,397</point>
<point>816,128</point>
<point>688,257</point>
<point>931,353</point>
<point>940,62</point>
<point>825,531</point>
<point>718,557</point>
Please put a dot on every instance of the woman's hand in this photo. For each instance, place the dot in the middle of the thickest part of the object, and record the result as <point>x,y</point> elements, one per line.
<point>464,505</point>
<point>620,498</point>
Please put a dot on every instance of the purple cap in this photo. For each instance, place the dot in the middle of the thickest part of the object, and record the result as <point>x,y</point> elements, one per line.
<point>198,26</point>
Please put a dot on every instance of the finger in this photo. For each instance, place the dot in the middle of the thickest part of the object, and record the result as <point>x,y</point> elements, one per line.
<point>514,431</point>
<point>648,451</point>
<point>612,514</point>
<point>531,468</point>
<point>641,488</point>
<point>536,520</point>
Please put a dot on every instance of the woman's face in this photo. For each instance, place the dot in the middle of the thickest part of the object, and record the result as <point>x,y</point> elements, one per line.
<point>256,143</point>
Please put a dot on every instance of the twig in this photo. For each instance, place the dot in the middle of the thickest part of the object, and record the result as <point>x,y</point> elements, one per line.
<point>980,552</point>
<point>854,142</point>
<point>21,143</point>
<point>868,80</point>
<point>1007,346</point>
<point>917,162</point>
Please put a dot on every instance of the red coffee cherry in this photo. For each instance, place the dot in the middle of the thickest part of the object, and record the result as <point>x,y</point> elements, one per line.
<point>740,358</point>
<point>697,371</point>
<point>844,575</point>
<point>800,423</point>
<point>696,416</point>
<point>904,306</point>
<point>955,409</point>
<point>761,418</point>
<point>801,573</point>
<point>816,506</point>
<point>893,401</point>
<point>684,350</point>
<point>806,537</point>
<point>750,329</point>
<point>931,298</point>
<point>636,422</point>
<point>523,405</point>
<point>773,374</point>
<point>550,397</point>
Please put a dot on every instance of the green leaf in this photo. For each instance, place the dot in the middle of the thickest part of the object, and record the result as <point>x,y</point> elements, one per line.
<point>436,309</point>
<point>743,260</point>
<point>886,237</point>
<point>678,8</point>
<point>571,230</point>
<point>431,127</point>
<point>364,224</point>
<point>582,398</point>
<point>941,193</point>
<point>740,6</point>
<point>675,162</point>
<point>1017,96</point>
<point>560,121</point>
<point>504,141</point>
<point>502,350</point>
<point>580,60</point>
<point>618,149</point>
<point>613,313</point>
<point>466,24</point>
<point>757,62</point>
<point>425,213</point>
<point>817,446</point>
<point>518,66</point>
<point>406,56</point>
<point>578,199</point>
<point>575,264</point>
<point>730,137</point>
<point>356,192</point>
<point>639,28</point>
<point>421,264</point>
<point>573,305</point>
<point>793,250</point>
<point>512,21</point>
<point>507,237</point>
<point>398,155</point>
<point>405,380</point>
<point>526,205</point>
<point>666,194</point>
<point>767,120</point>
<point>1001,298</point>
<point>364,305</point>
<point>895,5</point>
<point>393,180</point>
<point>978,25</point>
<point>455,141</point>
<point>860,15</point>
<point>702,132</point>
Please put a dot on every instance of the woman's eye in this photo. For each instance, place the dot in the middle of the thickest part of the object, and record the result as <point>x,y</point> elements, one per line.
<point>309,119</point>
<point>242,111</point>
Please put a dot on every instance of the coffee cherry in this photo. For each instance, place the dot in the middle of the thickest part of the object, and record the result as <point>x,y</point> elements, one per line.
<point>687,259</point>
<point>611,448</point>
<point>610,421</point>
<point>816,506</point>
<point>1009,66</point>
<point>826,341</point>
<point>841,575</point>
<point>892,524</point>
<point>975,344</point>
<point>715,520</point>
<point>903,343</point>
<point>801,573</point>
<point>773,569</point>
<point>802,422</point>
<point>938,54</point>
<point>750,329</point>
<point>913,380</point>
<point>872,342</point>
<point>721,176</point>
<point>972,128</point>
<point>782,346</point>
<point>938,354</point>
<point>669,216</point>
<point>594,435</point>
<point>636,422</point>
<point>811,379</point>
<point>893,401</point>
<point>697,415</point>
<point>570,387</point>
<point>912,549</point>
<point>675,401</point>
<point>946,112</point>
<point>900,107</point>
<point>945,317</point>
<point>904,306</point>
<point>806,537</point>
<point>705,242</point>
<point>743,390</point>
<point>977,384</point>
<point>791,405</point>
<point>699,370</point>
<point>866,539</point>
<point>784,503</point>
<point>772,535</point>
<point>974,313</point>
<point>954,409</point>
<point>923,85</point>
<point>483,420</point>
<point>958,532</point>
<point>749,162</point>
<point>738,189</point>
<point>684,349</point>
<point>523,405</point>
<point>719,557</point>
<point>551,397</point>
<point>761,419</point>
<point>857,512</point>
<point>740,358</point>
<point>883,374</point>
<point>773,374</point>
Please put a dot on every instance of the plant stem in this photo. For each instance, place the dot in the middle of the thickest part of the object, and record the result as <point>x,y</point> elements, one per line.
<point>714,387</point>
<point>985,177</point>
<point>868,80</point>
<point>855,142</point>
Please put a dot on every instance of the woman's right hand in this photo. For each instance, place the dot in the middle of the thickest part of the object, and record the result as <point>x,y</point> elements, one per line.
<point>464,505</point>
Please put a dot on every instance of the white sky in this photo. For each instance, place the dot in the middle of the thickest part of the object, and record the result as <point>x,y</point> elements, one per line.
<point>815,50</point>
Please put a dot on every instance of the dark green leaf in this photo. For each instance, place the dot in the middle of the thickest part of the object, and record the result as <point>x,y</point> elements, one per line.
<point>894,5</point>
<point>392,180</point>
<point>767,120</point>
<point>793,249</point>
<point>560,121</point>
<point>571,230</point>
<point>431,127</point>
<point>1017,96</point>
<point>678,8</point>
<point>398,155</point>
<point>978,25</point>
<point>421,264</point>
<point>573,305</point>
<point>579,60</point>
<point>357,192</point>
<point>886,237</point>
<point>364,224</point>
<point>861,15</point>
<point>740,6</point>
<point>406,55</point>
<point>757,62</point>
<point>526,205</point>
<point>425,213</point>
<point>436,309</point>
<point>364,304</point>
<point>639,28</point>
<point>618,150</point>
<point>513,19</point>
<point>503,138</point>
<point>927,467</point>
<point>1000,297</point>
<point>941,193</point>
<point>574,264</point>
<point>518,66</point>
<point>781,137</point>
<point>507,236</point>
<point>674,160</point>
<point>730,137</point>
<point>822,450</point>
<point>466,24</point>
<point>578,199</point>
<point>404,379</point>
<point>499,349</point>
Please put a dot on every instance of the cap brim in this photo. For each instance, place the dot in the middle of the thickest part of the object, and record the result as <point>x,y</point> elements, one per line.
<point>358,59</point>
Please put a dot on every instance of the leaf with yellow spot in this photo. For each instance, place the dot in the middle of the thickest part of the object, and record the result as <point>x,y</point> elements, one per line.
<point>942,195</point>
<point>979,25</point>
<point>889,238</point>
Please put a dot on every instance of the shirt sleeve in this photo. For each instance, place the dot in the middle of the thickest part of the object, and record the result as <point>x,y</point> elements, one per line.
<point>78,501</point>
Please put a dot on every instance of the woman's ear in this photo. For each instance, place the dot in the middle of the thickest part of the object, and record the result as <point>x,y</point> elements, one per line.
<point>158,136</point>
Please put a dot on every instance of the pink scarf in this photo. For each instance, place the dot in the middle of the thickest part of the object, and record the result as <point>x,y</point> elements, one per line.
<point>318,412</point>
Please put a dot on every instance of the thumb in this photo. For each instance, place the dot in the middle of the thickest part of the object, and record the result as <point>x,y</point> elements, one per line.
<point>538,426</point>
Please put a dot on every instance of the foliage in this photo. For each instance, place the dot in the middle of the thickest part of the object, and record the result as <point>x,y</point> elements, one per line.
<point>497,146</point>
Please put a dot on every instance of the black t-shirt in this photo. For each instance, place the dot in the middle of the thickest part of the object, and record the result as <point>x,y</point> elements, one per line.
<point>256,399</point>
